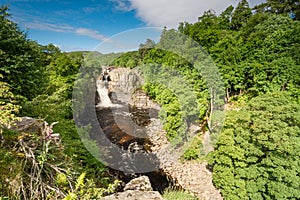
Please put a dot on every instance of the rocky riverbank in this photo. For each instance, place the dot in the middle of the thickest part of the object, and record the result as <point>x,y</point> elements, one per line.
<point>189,175</point>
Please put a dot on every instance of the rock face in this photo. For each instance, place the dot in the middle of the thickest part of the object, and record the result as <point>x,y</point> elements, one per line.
<point>136,189</point>
<point>141,183</point>
<point>124,80</point>
<point>30,125</point>
<point>134,195</point>
<point>194,177</point>
<point>141,100</point>
<point>189,175</point>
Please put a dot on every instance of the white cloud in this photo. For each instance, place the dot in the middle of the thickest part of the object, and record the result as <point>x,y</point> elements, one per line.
<point>170,12</point>
<point>35,20</point>
<point>49,26</point>
<point>124,5</point>
<point>61,28</point>
<point>90,33</point>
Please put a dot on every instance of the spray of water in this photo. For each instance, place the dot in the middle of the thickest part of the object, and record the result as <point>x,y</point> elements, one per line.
<point>102,90</point>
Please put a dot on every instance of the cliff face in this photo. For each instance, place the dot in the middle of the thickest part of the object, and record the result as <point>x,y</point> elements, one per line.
<point>125,87</point>
<point>124,80</point>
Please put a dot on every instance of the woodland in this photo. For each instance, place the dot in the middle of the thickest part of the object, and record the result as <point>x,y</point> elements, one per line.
<point>256,154</point>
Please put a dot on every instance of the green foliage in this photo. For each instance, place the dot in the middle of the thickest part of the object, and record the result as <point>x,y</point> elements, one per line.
<point>34,161</point>
<point>257,153</point>
<point>225,17</point>
<point>21,60</point>
<point>8,107</point>
<point>86,189</point>
<point>170,114</point>
<point>129,59</point>
<point>256,156</point>
<point>46,107</point>
<point>193,151</point>
<point>63,69</point>
<point>171,194</point>
<point>96,59</point>
<point>241,15</point>
<point>39,169</point>
<point>259,57</point>
<point>280,7</point>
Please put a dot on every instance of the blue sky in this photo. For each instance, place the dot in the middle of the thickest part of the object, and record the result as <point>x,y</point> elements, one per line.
<point>84,24</point>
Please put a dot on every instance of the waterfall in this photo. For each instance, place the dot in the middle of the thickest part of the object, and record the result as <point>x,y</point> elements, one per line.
<point>103,93</point>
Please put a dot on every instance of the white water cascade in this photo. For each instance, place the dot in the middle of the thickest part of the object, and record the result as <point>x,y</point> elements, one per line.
<point>103,94</point>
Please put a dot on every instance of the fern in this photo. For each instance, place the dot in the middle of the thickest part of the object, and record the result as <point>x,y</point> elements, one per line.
<point>80,181</point>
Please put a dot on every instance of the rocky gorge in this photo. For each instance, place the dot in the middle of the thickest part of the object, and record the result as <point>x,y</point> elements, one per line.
<point>130,120</point>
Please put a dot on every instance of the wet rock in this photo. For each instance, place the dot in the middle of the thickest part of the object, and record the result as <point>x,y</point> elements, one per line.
<point>141,183</point>
<point>189,175</point>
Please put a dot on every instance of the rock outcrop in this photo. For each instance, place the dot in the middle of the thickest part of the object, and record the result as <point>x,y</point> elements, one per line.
<point>136,189</point>
<point>134,195</point>
<point>194,177</point>
<point>141,183</point>
<point>190,175</point>
<point>29,125</point>
<point>124,80</point>
<point>32,125</point>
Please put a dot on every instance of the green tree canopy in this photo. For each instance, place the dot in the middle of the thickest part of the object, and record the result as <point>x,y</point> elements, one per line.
<point>8,108</point>
<point>241,15</point>
<point>21,60</point>
<point>257,155</point>
<point>280,7</point>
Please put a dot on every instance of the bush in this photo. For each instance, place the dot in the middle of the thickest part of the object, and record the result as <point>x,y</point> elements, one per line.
<point>171,194</point>
<point>194,149</point>
<point>257,154</point>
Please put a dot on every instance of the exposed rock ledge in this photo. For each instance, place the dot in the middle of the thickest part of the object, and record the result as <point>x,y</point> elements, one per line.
<point>136,189</point>
<point>190,175</point>
<point>134,195</point>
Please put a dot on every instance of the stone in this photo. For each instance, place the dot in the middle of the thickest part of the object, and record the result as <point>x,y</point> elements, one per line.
<point>29,125</point>
<point>192,176</point>
<point>124,80</point>
<point>141,183</point>
<point>134,195</point>
<point>32,125</point>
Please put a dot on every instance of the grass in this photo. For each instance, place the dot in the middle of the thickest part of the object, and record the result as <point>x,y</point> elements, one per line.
<point>171,194</point>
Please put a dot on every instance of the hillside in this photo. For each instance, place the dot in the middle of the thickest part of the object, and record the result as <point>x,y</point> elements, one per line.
<point>234,76</point>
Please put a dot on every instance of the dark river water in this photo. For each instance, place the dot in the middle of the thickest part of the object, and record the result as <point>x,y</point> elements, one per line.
<point>124,126</point>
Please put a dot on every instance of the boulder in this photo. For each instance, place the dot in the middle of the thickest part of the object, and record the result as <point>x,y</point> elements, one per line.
<point>29,125</point>
<point>141,183</point>
<point>136,189</point>
<point>134,195</point>
<point>32,125</point>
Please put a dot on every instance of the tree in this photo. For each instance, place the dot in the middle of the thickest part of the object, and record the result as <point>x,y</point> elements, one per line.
<point>241,15</point>
<point>8,108</point>
<point>208,19</point>
<point>257,155</point>
<point>226,16</point>
<point>291,7</point>
<point>21,60</point>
